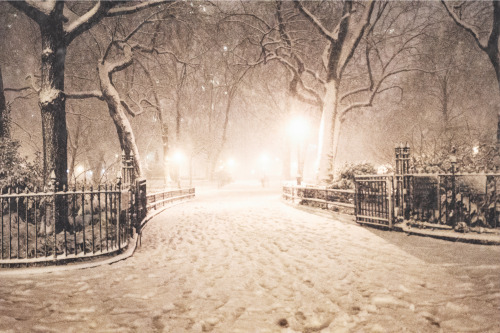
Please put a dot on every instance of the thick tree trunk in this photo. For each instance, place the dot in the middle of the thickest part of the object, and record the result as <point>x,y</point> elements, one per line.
<point>495,60</point>
<point>287,174</point>
<point>494,56</point>
<point>53,109</point>
<point>73,151</point>
<point>4,116</point>
<point>53,104</point>
<point>166,148</point>
<point>117,113</point>
<point>328,134</point>
<point>223,141</point>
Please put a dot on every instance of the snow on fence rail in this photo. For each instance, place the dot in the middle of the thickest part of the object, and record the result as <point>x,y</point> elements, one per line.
<point>334,199</point>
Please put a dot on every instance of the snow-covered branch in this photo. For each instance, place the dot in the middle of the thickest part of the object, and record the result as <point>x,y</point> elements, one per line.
<point>104,9</point>
<point>129,109</point>
<point>32,9</point>
<point>117,11</point>
<point>87,20</point>
<point>351,44</point>
<point>123,63</point>
<point>84,94</point>
<point>469,28</point>
<point>316,22</point>
<point>145,49</point>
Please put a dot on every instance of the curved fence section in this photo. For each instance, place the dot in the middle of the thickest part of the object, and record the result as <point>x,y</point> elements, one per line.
<point>57,226</point>
<point>46,226</point>
<point>158,200</point>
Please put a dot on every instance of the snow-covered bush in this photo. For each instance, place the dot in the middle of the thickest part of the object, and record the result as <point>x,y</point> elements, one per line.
<point>17,171</point>
<point>478,158</point>
<point>349,171</point>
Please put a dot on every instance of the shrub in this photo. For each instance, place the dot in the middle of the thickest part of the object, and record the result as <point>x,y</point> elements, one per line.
<point>349,171</point>
<point>17,171</point>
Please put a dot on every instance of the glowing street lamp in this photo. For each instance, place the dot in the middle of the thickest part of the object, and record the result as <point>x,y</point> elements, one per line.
<point>298,128</point>
<point>178,157</point>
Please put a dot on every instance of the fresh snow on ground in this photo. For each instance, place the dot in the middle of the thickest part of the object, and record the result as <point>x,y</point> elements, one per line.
<point>240,260</point>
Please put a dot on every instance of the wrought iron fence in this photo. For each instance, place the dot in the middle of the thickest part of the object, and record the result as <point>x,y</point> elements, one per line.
<point>95,223</point>
<point>327,198</point>
<point>441,200</point>
<point>449,199</point>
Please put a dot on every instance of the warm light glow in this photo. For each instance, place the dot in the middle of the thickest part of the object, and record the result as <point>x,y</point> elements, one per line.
<point>231,163</point>
<point>264,159</point>
<point>178,156</point>
<point>298,127</point>
<point>79,169</point>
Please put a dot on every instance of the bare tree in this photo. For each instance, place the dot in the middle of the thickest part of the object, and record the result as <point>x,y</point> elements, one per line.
<point>59,27</point>
<point>490,44</point>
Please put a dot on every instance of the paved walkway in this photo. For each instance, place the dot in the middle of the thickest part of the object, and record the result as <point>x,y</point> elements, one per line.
<point>239,260</point>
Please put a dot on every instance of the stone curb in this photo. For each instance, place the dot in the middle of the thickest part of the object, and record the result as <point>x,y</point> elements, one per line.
<point>451,236</point>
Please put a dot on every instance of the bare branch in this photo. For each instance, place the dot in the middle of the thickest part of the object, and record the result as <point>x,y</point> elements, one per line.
<point>16,89</point>
<point>469,28</point>
<point>33,85</point>
<point>84,94</point>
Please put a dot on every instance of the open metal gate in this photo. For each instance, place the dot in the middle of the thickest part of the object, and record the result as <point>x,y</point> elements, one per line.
<point>374,200</point>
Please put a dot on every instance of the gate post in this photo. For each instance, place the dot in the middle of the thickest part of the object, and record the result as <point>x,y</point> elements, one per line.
<point>389,187</point>
<point>402,153</point>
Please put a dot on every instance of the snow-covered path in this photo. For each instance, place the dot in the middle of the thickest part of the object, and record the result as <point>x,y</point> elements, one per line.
<point>239,260</point>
